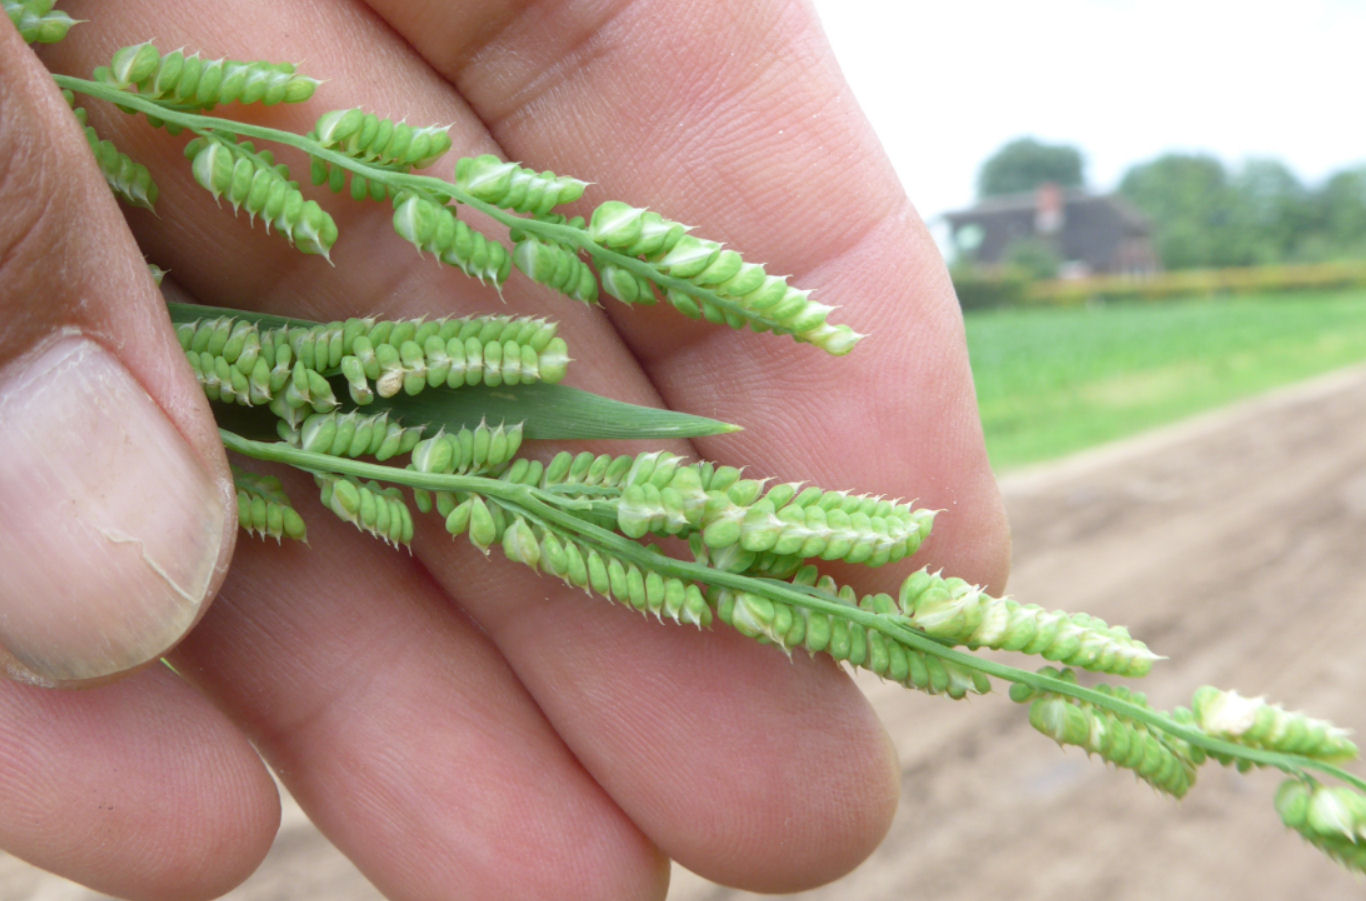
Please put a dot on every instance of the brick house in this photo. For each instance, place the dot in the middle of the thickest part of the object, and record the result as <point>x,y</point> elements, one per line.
<point>1090,234</point>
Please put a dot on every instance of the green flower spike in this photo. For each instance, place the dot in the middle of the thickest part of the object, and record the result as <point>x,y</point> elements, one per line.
<point>1332,819</point>
<point>1257,724</point>
<point>956,611</point>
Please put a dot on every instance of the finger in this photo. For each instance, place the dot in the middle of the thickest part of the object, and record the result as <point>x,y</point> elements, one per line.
<point>404,733</point>
<point>739,122</point>
<point>114,498</point>
<point>827,696</point>
<point>137,789</point>
<point>748,767</point>
<point>596,93</point>
<point>114,492</point>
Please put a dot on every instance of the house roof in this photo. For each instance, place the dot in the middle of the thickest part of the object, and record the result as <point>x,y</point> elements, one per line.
<point>1073,199</point>
<point>1088,228</point>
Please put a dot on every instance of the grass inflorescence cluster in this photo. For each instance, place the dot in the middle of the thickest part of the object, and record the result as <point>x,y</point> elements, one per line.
<point>389,420</point>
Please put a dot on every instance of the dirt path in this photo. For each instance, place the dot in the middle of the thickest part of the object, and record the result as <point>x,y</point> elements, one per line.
<point>1230,543</point>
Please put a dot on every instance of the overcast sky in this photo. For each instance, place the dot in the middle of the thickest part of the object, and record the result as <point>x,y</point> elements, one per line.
<point>948,83</point>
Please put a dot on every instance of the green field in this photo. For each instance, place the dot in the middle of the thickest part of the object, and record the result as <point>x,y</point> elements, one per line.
<point>1055,380</point>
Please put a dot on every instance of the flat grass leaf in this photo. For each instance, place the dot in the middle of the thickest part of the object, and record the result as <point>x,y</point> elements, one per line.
<point>192,312</point>
<point>546,411</point>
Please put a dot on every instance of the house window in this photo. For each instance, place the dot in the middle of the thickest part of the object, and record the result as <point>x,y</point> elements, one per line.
<point>968,238</point>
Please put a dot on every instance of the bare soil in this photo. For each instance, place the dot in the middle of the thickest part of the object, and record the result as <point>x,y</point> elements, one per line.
<point>1230,543</point>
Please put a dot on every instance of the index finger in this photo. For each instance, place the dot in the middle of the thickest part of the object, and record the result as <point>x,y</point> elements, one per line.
<point>736,119</point>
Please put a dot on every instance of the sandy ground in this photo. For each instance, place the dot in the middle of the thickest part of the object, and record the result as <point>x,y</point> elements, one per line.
<point>1230,543</point>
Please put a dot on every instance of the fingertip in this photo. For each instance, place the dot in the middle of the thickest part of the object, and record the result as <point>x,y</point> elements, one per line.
<point>137,789</point>
<point>826,796</point>
<point>746,767</point>
<point>115,495</point>
<point>124,530</point>
<point>216,851</point>
<point>238,846</point>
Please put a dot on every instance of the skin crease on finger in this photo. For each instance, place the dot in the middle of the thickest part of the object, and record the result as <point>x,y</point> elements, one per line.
<point>57,287</point>
<point>172,803</point>
<point>773,156</point>
<point>441,773</point>
<point>572,655</point>
<point>138,787</point>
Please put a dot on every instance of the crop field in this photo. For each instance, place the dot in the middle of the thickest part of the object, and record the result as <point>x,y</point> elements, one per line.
<point>1055,380</point>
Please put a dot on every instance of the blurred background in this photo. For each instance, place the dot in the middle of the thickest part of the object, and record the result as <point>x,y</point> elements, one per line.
<point>1150,209</point>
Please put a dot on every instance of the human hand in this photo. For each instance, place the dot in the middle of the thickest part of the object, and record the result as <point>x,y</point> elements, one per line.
<point>440,715</point>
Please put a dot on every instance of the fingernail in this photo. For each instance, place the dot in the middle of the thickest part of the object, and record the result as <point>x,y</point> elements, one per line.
<point>112,527</point>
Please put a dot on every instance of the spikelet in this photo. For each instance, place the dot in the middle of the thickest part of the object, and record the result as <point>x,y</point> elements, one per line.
<point>130,181</point>
<point>830,525</point>
<point>557,266</point>
<point>221,381</point>
<point>368,138</point>
<point>626,286</point>
<point>395,146</point>
<point>239,362</point>
<point>705,280</point>
<point>263,508</point>
<point>368,506</point>
<point>355,434</point>
<point>483,523</point>
<point>955,611</point>
<point>252,181</point>
<point>1332,819</point>
<point>433,228</point>
<point>323,345</point>
<point>513,187</point>
<point>664,495</point>
<point>191,82</point>
<point>523,471</point>
<point>569,474</point>
<point>305,392</point>
<point>411,365</point>
<point>37,21</point>
<point>674,509</point>
<point>625,582</point>
<point>1257,724</point>
<point>227,358</point>
<point>235,361</point>
<point>790,627</point>
<point>1165,763</point>
<point>634,231</point>
<point>479,450</point>
<point>734,559</point>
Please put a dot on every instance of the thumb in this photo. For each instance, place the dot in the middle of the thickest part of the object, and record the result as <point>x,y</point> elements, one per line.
<point>114,493</point>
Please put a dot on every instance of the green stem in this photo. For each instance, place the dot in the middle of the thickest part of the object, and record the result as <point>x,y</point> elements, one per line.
<point>203,124</point>
<point>529,501</point>
<point>422,184</point>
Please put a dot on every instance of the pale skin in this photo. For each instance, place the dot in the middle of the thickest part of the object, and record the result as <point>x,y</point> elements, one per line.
<point>460,727</point>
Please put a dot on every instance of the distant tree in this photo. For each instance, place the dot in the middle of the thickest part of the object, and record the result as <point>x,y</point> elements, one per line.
<point>1204,215</point>
<point>1341,208</point>
<point>1191,205</point>
<point>1025,163</point>
<point>1273,212</point>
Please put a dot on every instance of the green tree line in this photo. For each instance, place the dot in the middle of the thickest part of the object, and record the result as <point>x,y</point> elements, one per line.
<point>1206,214</point>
